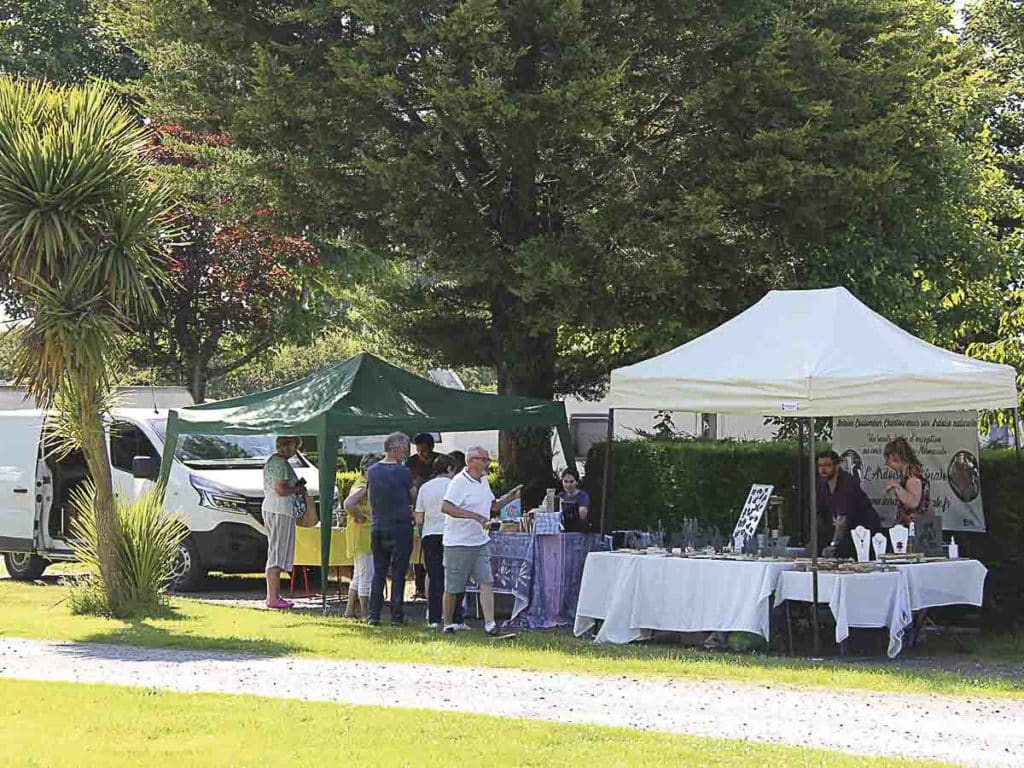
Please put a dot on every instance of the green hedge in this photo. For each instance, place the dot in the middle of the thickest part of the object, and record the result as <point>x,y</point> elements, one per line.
<point>1001,547</point>
<point>667,480</point>
<point>345,480</point>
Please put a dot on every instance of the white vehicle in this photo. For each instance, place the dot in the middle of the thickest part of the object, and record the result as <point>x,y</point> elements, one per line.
<point>216,485</point>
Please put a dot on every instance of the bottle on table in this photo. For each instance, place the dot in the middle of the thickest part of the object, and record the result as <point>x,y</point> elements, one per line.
<point>911,543</point>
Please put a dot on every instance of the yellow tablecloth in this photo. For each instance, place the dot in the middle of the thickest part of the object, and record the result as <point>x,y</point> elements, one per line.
<point>307,547</point>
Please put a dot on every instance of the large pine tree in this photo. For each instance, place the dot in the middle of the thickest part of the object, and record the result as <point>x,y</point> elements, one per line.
<point>561,186</point>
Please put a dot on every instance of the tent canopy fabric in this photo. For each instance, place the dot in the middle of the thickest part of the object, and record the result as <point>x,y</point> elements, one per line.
<point>365,395</point>
<point>812,353</point>
<point>360,396</point>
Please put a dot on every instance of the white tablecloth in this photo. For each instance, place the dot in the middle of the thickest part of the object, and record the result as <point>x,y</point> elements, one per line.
<point>886,599</point>
<point>955,582</point>
<point>636,594</point>
<point>856,599</point>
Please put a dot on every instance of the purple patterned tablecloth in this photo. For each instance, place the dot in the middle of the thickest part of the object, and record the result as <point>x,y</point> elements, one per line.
<point>543,572</point>
<point>512,563</point>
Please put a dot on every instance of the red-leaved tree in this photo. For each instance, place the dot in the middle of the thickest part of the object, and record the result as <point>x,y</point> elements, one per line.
<point>238,288</point>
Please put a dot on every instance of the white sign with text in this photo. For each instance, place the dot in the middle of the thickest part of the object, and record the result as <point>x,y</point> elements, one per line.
<point>946,445</point>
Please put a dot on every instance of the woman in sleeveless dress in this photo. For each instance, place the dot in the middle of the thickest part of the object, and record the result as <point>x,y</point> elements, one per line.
<point>913,496</point>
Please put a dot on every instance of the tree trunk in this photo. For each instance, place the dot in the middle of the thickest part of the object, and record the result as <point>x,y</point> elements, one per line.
<point>94,446</point>
<point>199,378</point>
<point>525,365</point>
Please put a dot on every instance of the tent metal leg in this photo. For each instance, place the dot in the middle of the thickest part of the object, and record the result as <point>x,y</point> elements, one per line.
<point>813,489</point>
<point>1016,434</point>
<point>789,629</point>
<point>801,497</point>
<point>607,466</point>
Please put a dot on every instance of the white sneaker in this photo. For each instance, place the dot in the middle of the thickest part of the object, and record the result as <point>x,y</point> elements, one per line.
<point>432,625</point>
<point>460,627</point>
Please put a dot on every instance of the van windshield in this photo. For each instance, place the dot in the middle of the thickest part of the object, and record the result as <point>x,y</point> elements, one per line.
<point>222,450</point>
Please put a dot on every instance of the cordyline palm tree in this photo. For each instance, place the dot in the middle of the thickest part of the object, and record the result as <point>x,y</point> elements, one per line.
<point>82,236</point>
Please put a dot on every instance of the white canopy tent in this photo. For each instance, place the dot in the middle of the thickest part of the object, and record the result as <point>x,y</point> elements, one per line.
<point>802,354</point>
<point>812,353</point>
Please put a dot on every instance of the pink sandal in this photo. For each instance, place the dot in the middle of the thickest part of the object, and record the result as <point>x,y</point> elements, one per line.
<point>280,604</point>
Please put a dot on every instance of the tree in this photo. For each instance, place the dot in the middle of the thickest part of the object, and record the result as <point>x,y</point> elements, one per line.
<point>564,187</point>
<point>994,31</point>
<point>238,290</point>
<point>64,41</point>
<point>236,294</point>
<point>82,230</point>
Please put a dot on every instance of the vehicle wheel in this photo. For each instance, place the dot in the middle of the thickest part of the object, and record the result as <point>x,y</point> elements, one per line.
<point>24,566</point>
<point>186,571</point>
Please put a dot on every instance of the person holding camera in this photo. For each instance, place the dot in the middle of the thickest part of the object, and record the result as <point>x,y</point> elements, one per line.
<point>281,488</point>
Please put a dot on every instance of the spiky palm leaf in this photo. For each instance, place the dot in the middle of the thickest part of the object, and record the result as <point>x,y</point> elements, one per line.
<point>82,233</point>
<point>82,229</point>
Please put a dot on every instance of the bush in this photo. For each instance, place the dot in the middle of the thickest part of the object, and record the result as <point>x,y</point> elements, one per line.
<point>664,481</point>
<point>345,479</point>
<point>147,543</point>
<point>1001,547</point>
<point>667,480</point>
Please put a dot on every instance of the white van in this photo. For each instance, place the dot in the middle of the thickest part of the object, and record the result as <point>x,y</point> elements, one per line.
<point>216,485</point>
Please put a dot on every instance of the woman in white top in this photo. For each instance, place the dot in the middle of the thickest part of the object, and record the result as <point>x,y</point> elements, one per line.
<point>430,516</point>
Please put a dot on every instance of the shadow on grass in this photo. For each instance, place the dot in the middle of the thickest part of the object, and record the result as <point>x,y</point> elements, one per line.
<point>197,626</point>
<point>151,641</point>
<point>939,668</point>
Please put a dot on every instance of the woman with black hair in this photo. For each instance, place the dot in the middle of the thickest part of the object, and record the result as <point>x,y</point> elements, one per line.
<point>432,520</point>
<point>575,503</point>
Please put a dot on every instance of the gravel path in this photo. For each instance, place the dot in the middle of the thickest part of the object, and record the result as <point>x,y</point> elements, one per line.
<point>967,730</point>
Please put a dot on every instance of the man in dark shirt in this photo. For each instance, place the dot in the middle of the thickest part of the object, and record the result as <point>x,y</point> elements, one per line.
<point>391,494</point>
<point>421,464</point>
<point>841,497</point>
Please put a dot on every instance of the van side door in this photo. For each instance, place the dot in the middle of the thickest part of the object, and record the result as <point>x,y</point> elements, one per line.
<point>127,440</point>
<point>19,453</point>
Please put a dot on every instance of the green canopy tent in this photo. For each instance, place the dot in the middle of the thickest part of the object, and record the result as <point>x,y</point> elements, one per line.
<point>363,395</point>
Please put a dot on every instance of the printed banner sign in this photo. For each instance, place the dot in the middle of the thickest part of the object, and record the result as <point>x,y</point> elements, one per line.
<point>946,445</point>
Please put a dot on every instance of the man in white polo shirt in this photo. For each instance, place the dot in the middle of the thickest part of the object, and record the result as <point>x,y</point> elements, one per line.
<point>468,504</point>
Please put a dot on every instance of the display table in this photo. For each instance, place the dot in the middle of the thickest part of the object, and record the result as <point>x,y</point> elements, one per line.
<point>861,600</point>
<point>542,572</point>
<point>635,594</point>
<point>307,547</point>
<point>307,555</point>
<point>950,582</point>
<point>888,598</point>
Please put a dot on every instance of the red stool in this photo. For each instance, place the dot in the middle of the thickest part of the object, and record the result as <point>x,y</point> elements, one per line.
<point>305,580</point>
<point>304,569</point>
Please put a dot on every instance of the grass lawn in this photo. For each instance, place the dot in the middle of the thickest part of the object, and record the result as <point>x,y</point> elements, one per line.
<point>68,724</point>
<point>41,611</point>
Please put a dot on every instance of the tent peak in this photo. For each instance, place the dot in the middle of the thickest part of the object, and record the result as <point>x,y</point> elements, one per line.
<point>815,352</point>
